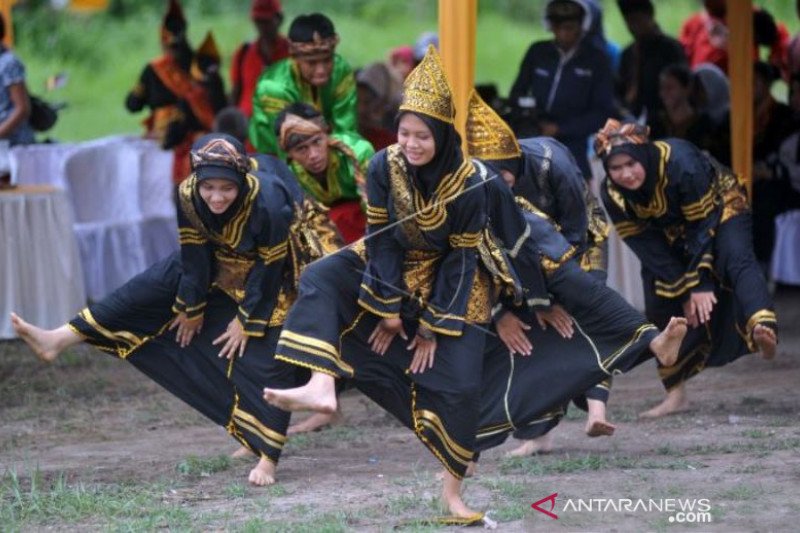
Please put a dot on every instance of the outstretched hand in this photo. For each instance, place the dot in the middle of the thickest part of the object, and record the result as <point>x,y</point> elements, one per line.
<point>512,332</point>
<point>234,338</point>
<point>187,328</point>
<point>557,317</point>
<point>384,333</point>
<point>697,309</point>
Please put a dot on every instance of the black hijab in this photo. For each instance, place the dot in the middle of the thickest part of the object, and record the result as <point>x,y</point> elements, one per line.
<point>647,154</point>
<point>446,159</point>
<point>219,156</point>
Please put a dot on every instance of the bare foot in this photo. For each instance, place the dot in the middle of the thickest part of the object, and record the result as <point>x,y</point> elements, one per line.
<point>766,340</point>
<point>243,452</point>
<point>451,496</point>
<point>675,402</point>
<point>263,474</point>
<point>46,344</point>
<point>315,422</point>
<point>319,395</point>
<point>543,444</point>
<point>667,344</point>
<point>599,428</point>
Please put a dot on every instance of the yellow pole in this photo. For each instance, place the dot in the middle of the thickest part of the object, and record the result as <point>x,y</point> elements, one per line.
<point>457,29</point>
<point>5,9</point>
<point>740,66</point>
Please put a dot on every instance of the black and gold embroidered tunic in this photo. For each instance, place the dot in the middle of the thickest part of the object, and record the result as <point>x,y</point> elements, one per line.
<point>689,224</point>
<point>243,269</point>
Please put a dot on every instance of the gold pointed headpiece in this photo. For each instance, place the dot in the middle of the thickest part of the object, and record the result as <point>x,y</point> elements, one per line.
<point>427,91</point>
<point>488,135</point>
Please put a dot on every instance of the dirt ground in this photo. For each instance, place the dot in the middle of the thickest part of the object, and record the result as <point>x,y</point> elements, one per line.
<point>89,444</point>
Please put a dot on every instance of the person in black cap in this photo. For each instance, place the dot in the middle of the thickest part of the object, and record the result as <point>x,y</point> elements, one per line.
<point>204,323</point>
<point>313,74</point>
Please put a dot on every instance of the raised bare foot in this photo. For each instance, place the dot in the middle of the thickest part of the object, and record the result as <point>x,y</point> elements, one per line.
<point>766,340</point>
<point>599,428</point>
<point>314,422</point>
<point>543,444</point>
<point>675,402</point>
<point>44,343</point>
<point>319,395</point>
<point>243,452</point>
<point>667,344</point>
<point>263,474</point>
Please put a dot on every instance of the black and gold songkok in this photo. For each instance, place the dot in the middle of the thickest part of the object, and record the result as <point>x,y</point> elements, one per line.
<point>488,136</point>
<point>426,90</point>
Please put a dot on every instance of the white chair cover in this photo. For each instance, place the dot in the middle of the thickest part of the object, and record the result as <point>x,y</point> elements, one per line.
<point>785,267</point>
<point>103,183</point>
<point>156,191</point>
<point>40,164</point>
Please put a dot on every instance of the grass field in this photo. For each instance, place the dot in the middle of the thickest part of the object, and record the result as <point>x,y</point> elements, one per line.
<point>103,55</point>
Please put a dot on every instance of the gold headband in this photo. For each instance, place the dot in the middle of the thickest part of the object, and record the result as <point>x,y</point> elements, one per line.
<point>614,133</point>
<point>427,91</point>
<point>318,46</point>
<point>488,136</point>
<point>295,129</point>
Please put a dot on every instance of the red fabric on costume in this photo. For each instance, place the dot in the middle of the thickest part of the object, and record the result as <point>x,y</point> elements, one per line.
<point>247,69</point>
<point>350,220</point>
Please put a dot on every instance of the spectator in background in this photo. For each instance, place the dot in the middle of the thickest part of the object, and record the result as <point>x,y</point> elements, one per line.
<point>401,62</point>
<point>330,168</point>
<point>704,36</point>
<point>789,153</point>
<point>711,93</point>
<point>644,60</point>
<point>377,104</point>
<point>679,117</point>
<point>570,80</point>
<point>596,36</point>
<point>773,122</point>
<point>421,45</point>
<point>793,50</point>
<point>15,105</point>
<point>166,82</point>
<point>313,74</point>
<point>251,58</point>
<point>231,121</point>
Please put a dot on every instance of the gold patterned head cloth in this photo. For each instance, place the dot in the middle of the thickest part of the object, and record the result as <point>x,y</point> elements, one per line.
<point>488,135</point>
<point>427,91</point>
<point>296,129</point>
<point>614,134</point>
<point>217,155</point>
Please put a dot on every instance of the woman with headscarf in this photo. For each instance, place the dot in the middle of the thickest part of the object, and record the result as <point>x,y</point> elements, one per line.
<point>530,373</point>
<point>409,302</point>
<point>688,220</point>
<point>204,323</point>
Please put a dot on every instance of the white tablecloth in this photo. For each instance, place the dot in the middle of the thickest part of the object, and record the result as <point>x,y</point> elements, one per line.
<point>40,273</point>
<point>120,192</point>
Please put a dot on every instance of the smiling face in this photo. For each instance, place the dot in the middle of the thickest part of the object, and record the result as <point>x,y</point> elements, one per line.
<point>218,194</point>
<point>625,171</point>
<point>416,140</point>
<point>312,154</point>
